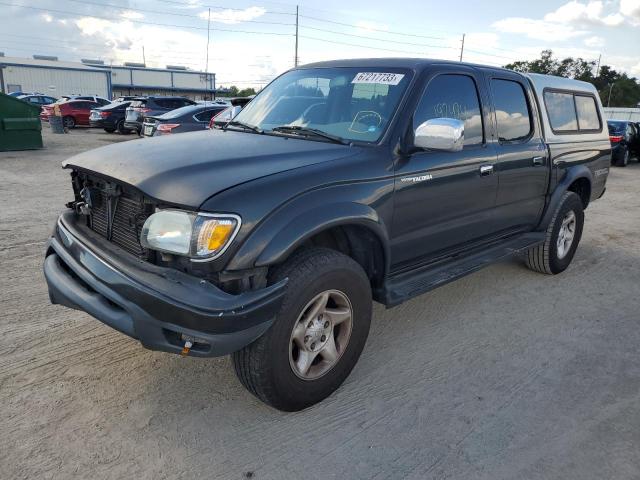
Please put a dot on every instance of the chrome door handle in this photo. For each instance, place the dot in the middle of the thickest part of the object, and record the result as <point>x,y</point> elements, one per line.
<point>486,170</point>
<point>538,161</point>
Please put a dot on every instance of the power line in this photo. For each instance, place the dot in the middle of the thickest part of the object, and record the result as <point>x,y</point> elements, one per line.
<point>66,12</point>
<point>163,12</point>
<point>362,46</point>
<point>375,39</point>
<point>372,28</point>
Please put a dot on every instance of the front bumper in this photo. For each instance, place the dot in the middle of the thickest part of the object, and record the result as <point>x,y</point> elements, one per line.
<point>158,306</point>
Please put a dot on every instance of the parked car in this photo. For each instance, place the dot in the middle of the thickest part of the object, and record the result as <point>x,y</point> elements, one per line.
<point>38,99</point>
<point>625,141</point>
<point>151,106</point>
<point>110,117</point>
<point>73,112</point>
<point>19,93</point>
<point>92,98</point>
<point>385,179</point>
<point>233,108</point>
<point>126,98</point>
<point>185,119</point>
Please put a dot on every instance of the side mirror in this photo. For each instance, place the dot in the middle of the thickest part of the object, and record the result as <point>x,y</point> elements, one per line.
<point>445,134</point>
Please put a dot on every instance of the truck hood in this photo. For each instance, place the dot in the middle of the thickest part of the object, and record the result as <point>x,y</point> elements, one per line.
<point>185,169</point>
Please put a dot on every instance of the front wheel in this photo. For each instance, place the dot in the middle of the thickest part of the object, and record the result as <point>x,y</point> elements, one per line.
<point>109,130</point>
<point>624,159</point>
<point>317,336</point>
<point>562,237</point>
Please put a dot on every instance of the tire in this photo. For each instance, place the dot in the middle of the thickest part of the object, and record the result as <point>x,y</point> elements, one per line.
<point>121,129</point>
<point>109,130</point>
<point>269,367</point>
<point>624,159</point>
<point>552,256</point>
<point>69,122</point>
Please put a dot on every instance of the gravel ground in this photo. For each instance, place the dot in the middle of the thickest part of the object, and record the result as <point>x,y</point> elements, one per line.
<point>504,374</point>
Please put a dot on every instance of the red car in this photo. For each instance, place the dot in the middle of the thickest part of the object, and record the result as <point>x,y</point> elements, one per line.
<point>74,112</point>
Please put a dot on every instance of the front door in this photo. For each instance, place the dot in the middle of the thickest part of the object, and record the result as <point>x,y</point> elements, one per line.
<point>444,200</point>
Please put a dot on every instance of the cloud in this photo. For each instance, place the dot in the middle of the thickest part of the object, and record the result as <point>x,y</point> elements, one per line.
<point>631,10</point>
<point>595,42</point>
<point>131,15</point>
<point>47,18</point>
<point>538,29</point>
<point>573,19</point>
<point>591,13</point>
<point>230,16</point>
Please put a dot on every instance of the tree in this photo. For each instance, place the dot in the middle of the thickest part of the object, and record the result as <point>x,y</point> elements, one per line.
<point>623,90</point>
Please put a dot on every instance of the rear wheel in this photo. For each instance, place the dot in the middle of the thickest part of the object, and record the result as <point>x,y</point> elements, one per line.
<point>562,238</point>
<point>121,129</point>
<point>69,122</point>
<point>317,336</point>
<point>624,159</point>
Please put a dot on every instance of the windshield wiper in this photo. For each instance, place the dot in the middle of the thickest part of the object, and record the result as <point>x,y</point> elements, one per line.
<point>297,129</point>
<point>236,123</point>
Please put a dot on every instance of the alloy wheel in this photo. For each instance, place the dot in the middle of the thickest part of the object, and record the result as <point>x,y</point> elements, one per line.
<point>566,234</point>
<point>321,334</point>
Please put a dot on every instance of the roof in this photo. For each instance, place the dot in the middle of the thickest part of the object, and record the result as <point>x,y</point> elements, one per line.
<point>395,62</point>
<point>540,82</point>
<point>31,62</point>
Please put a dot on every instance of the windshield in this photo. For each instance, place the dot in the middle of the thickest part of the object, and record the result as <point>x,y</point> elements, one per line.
<point>351,103</point>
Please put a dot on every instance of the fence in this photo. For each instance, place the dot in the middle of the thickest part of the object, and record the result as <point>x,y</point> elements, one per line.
<point>622,113</point>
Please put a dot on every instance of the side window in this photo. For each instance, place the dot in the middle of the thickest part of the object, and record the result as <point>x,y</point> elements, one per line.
<point>452,96</point>
<point>512,110</point>
<point>34,100</point>
<point>561,111</point>
<point>588,118</point>
<point>206,115</point>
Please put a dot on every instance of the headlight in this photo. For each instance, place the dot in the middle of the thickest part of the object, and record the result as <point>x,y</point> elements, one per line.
<point>201,236</point>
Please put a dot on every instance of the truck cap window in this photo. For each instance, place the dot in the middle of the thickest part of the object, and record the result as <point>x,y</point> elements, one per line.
<point>452,96</point>
<point>587,113</point>
<point>512,110</point>
<point>328,100</point>
<point>562,114</point>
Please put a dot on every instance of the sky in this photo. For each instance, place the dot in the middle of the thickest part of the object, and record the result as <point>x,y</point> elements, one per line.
<point>251,42</point>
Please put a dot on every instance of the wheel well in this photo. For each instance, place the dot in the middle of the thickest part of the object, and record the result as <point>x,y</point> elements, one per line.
<point>357,242</point>
<point>582,187</point>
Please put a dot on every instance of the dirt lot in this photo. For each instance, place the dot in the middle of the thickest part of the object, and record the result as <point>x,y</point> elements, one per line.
<point>504,374</point>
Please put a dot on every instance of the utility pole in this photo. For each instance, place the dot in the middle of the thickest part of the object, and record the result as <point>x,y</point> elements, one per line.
<point>295,60</point>
<point>462,47</point>
<point>144,59</point>
<point>206,68</point>
<point>598,67</point>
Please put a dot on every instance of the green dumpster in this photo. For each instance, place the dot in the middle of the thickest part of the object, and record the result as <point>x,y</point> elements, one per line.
<point>20,127</point>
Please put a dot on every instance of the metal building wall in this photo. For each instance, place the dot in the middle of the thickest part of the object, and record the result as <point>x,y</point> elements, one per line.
<point>56,82</point>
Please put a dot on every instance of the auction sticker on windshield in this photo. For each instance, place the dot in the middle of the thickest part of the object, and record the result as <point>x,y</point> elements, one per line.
<point>378,77</point>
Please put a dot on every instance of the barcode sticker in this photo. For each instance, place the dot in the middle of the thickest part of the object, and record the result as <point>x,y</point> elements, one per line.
<point>378,77</point>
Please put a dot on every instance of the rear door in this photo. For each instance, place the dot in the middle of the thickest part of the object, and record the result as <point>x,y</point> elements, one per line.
<point>443,200</point>
<point>523,162</point>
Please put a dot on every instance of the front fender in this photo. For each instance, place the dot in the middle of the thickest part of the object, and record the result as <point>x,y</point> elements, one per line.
<point>366,204</point>
<point>306,225</point>
<point>571,174</point>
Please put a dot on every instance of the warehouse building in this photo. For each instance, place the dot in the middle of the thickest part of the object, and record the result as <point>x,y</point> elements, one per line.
<point>92,77</point>
<point>49,76</point>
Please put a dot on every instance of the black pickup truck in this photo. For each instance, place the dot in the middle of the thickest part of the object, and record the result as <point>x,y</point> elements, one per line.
<point>341,182</point>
